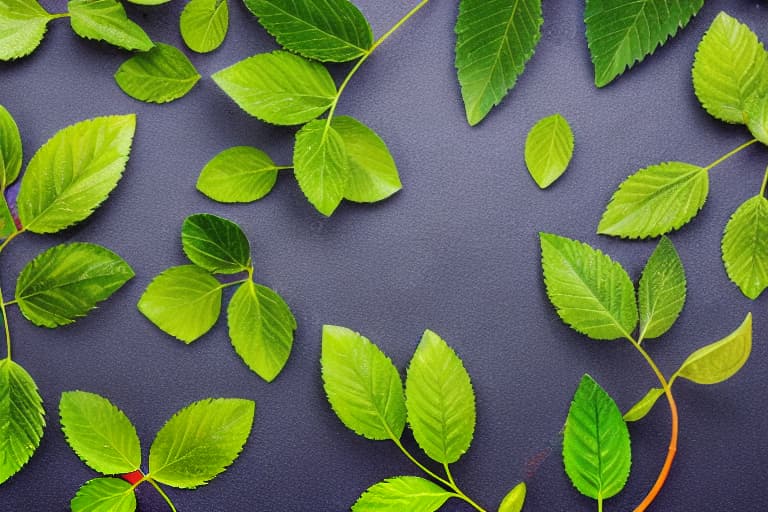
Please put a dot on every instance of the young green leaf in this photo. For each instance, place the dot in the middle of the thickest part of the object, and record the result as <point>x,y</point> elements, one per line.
<point>7,223</point>
<point>596,447</point>
<point>494,40</point>
<point>105,20</point>
<point>756,113</point>
<point>661,293</point>
<point>514,500</point>
<point>621,34</point>
<point>261,328</point>
<point>720,360</point>
<point>200,441</point>
<point>548,149</point>
<point>65,282</point>
<point>160,75</point>
<point>21,418</point>
<point>362,384</point>
<point>591,292</point>
<point>325,30</point>
<point>730,66</point>
<point>204,24</point>
<point>400,493</point>
<point>238,175</point>
<point>183,301</point>
<point>641,409</point>
<point>656,200</point>
<point>71,174</point>
<point>215,244</point>
<point>278,87</point>
<point>99,433</point>
<point>321,165</point>
<point>22,27</point>
<point>10,149</point>
<point>745,247</point>
<point>104,495</point>
<point>440,400</point>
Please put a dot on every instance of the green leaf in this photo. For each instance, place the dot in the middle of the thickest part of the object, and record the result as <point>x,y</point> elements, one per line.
<point>10,149</point>
<point>656,200</point>
<point>278,87</point>
<point>362,384</point>
<point>400,493</point>
<point>160,75</point>
<point>641,409</point>
<point>756,114</point>
<point>440,400</point>
<point>325,30</point>
<point>514,500</point>
<point>204,24</point>
<point>21,418</point>
<point>261,328</point>
<point>321,165</point>
<point>548,149</point>
<point>596,448</point>
<point>74,172</point>
<point>200,441</point>
<point>105,20</point>
<point>105,495</point>
<point>621,34</point>
<point>22,27</point>
<point>661,293</point>
<point>7,223</point>
<point>238,175</point>
<point>215,244</point>
<point>591,292</point>
<point>65,282</point>
<point>720,360</point>
<point>745,247</point>
<point>183,301</point>
<point>372,171</point>
<point>730,66</point>
<point>99,433</point>
<point>148,2</point>
<point>494,40</point>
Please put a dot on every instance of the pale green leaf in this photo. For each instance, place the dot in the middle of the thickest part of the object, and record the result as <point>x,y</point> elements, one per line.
<point>591,292</point>
<point>183,301</point>
<point>10,149</point>
<point>215,244</point>
<point>321,165</point>
<point>596,447</point>
<point>261,328</point>
<point>278,87</point>
<point>74,172</point>
<point>105,20</point>
<point>160,75</point>
<point>656,200</point>
<point>238,175</point>
<point>22,27</point>
<point>661,293</point>
<point>720,360</point>
<point>362,384</point>
<point>402,493</point>
<point>7,223</point>
<point>200,441</point>
<point>514,500</point>
<point>440,400</point>
<point>325,30</point>
<point>148,2</point>
<point>21,418</point>
<point>204,24</point>
<point>548,149</point>
<point>641,409</point>
<point>494,40</point>
<point>745,247</point>
<point>104,495</point>
<point>756,114</point>
<point>99,433</point>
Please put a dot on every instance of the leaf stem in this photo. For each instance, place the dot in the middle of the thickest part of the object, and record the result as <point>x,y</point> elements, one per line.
<point>162,493</point>
<point>729,154</point>
<point>419,464</point>
<point>458,492</point>
<point>765,183</point>
<point>10,237</point>
<point>234,283</point>
<point>5,325</point>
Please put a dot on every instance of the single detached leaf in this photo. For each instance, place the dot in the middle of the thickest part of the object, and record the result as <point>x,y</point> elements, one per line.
<point>494,40</point>
<point>401,493</point>
<point>104,495</point>
<point>641,409</point>
<point>440,400</point>
<point>278,87</point>
<point>238,175</point>
<point>105,20</point>
<point>10,149</point>
<point>22,27</point>
<point>99,433</point>
<point>321,165</point>
<point>21,418</point>
<point>730,66</point>
<point>216,244</point>
<point>261,328</point>
<point>65,282</point>
<point>720,360</point>
<point>596,448</point>
<point>204,24</point>
<point>325,30</point>
<point>74,172</point>
<point>745,247</point>
<point>514,500</point>
<point>200,441</point>
<point>183,301</point>
<point>591,292</point>
<point>620,34</point>
<point>160,75</point>
<point>656,200</point>
<point>362,384</point>
<point>548,149</point>
<point>661,293</point>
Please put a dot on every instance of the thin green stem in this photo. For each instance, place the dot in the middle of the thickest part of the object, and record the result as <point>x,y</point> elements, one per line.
<point>449,475</point>
<point>10,237</point>
<point>233,283</point>
<point>10,302</point>
<point>283,167</point>
<point>5,324</point>
<point>765,183</point>
<point>162,493</point>
<point>599,504</point>
<point>729,154</point>
<point>419,464</point>
<point>54,16</point>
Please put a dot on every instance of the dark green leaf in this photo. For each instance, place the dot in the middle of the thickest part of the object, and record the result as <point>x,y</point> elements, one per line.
<point>105,495</point>
<point>745,247</point>
<point>105,20</point>
<point>321,165</point>
<point>10,149</point>
<point>22,27</point>
<point>661,293</point>
<point>215,244</point>
<point>204,24</point>
<point>238,175</point>
<point>160,75</point>
<point>402,493</point>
